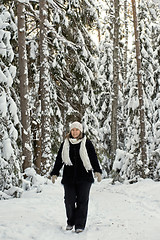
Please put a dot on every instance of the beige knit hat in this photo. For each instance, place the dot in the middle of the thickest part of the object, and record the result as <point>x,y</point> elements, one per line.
<point>77,125</point>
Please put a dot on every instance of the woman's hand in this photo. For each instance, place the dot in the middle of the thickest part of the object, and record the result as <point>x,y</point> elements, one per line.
<point>54,177</point>
<point>98,176</point>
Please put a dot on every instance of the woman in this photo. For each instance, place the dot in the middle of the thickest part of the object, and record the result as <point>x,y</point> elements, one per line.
<point>79,158</point>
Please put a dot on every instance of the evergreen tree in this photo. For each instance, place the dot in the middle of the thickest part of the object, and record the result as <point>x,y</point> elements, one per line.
<point>110,105</point>
<point>9,123</point>
<point>128,160</point>
<point>152,63</point>
<point>33,54</point>
<point>73,65</point>
<point>131,161</point>
<point>147,69</point>
<point>35,106</point>
<point>105,79</point>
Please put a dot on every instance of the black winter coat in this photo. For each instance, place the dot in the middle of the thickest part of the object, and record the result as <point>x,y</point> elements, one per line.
<point>77,172</point>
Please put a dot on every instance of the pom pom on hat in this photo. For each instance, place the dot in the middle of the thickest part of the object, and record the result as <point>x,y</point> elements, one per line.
<point>77,125</point>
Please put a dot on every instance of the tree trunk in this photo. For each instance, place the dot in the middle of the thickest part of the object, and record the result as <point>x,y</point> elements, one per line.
<point>24,96</point>
<point>140,92</point>
<point>44,91</point>
<point>126,41</point>
<point>115,82</point>
<point>37,147</point>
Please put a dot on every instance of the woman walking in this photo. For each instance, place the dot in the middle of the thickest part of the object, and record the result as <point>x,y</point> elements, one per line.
<point>79,158</point>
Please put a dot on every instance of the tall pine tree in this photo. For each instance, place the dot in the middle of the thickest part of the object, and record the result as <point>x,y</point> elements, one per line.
<point>9,122</point>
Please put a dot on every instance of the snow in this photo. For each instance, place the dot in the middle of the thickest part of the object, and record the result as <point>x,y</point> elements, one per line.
<point>13,133</point>
<point>3,104</point>
<point>13,110</point>
<point>7,147</point>
<point>3,78</point>
<point>85,99</point>
<point>33,49</point>
<point>24,1</point>
<point>12,70</point>
<point>120,211</point>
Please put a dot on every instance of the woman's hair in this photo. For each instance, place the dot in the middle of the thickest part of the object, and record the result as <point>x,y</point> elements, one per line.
<point>69,135</point>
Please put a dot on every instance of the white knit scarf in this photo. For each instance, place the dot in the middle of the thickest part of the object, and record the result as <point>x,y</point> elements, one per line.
<point>82,151</point>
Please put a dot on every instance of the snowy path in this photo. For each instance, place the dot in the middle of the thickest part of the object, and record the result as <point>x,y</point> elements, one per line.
<point>119,212</point>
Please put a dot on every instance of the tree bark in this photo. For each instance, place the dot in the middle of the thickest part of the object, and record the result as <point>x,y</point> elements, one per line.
<point>37,147</point>
<point>115,82</point>
<point>126,41</point>
<point>140,91</point>
<point>24,95</point>
<point>44,91</point>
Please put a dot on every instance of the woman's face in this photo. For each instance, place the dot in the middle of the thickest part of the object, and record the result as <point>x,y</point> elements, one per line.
<point>75,132</point>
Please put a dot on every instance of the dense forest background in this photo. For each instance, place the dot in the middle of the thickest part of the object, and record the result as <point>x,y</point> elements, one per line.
<point>97,62</point>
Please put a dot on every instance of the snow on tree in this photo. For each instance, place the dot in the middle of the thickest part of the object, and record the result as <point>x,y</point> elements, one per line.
<point>149,14</point>
<point>10,176</point>
<point>128,160</point>
<point>35,105</point>
<point>147,72</point>
<point>110,78</point>
<point>73,63</point>
<point>105,79</point>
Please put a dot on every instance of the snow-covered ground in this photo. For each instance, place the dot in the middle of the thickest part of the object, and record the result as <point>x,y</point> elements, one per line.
<point>116,212</point>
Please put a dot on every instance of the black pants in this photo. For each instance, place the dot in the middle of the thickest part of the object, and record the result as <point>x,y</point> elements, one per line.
<point>76,203</point>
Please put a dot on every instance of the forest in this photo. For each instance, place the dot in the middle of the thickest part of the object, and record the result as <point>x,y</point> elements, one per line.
<point>93,61</point>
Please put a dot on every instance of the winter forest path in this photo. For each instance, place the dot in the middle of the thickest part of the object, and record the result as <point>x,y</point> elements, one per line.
<point>116,212</point>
